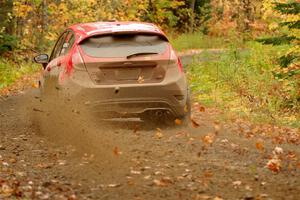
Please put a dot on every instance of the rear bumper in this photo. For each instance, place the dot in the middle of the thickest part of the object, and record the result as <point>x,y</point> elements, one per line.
<point>132,99</point>
<point>133,107</point>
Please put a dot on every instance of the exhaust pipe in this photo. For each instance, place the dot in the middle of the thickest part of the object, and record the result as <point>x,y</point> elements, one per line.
<point>159,113</point>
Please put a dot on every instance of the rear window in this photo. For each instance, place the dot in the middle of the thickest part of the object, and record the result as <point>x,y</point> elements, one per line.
<point>109,46</point>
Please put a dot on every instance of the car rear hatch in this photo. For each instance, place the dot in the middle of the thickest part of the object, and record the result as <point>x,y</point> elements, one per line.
<point>126,58</point>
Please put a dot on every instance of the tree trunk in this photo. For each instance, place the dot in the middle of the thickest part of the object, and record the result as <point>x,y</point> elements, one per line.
<point>6,6</point>
<point>192,7</point>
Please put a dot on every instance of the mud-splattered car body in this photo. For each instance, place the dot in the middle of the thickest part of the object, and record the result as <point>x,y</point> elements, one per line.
<point>117,69</point>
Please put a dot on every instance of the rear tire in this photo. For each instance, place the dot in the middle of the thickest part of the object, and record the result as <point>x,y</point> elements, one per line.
<point>185,119</point>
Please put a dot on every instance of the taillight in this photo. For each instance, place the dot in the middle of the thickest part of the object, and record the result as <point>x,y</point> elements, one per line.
<point>179,65</point>
<point>174,57</point>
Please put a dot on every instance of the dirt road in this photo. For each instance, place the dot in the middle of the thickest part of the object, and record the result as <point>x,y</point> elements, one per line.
<point>69,157</point>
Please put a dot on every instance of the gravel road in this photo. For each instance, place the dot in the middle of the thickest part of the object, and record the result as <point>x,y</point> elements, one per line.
<point>63,156</point>
<point>50,153</point>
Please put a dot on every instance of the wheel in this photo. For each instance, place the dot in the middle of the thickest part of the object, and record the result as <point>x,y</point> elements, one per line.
<point>185,119</point>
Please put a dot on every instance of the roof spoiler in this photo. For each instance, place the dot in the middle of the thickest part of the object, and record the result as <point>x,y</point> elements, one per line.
<point>124,33</point>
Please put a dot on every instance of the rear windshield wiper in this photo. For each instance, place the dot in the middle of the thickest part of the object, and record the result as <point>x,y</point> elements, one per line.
<point>142,53</point>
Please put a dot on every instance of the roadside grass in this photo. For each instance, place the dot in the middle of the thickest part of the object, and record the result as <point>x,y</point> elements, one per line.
<point>197,40</point>
<point>241,83</point>
<point>11,71</point>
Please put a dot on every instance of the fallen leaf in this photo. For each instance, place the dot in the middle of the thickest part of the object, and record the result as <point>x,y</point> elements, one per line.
<point>202,197</point>
<point>147,177</point>
<point>217,128</point>
<point>44,165</point>
<point>159,183</point>
<point>163,181</point>
<point>224,141</point>
<point>208,139</point>
<point>291,156</point>
<point>114,185</point>
<point>158,133</point>
<point>61,162</point>
<point>158,173</point>
<point>247,187</point>
<point>194,123</point>
<point>178,122</point>
<point>236,184</point>
<point>135,172</point>
<point>35,85</point>
<point>208,174</point>
<point>260,196</point>
<point>136,128</point>
<point>217,198</point>
<point>6,190</point>
<point>201,109</point>
<point>274,164</point>
<point>277,151</point>
<point>130,181</point>
<point>260,145</point>
<point>263,183</point>
<point>37,110</point>
<point>116,151</point>
<point>141,79</point>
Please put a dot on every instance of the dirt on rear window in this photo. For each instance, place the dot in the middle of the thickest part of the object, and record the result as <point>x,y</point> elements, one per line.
<point>110,46</point>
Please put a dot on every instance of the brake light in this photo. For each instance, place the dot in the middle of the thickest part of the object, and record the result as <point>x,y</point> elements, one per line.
<point>175,57</point>
<point>180,65</point>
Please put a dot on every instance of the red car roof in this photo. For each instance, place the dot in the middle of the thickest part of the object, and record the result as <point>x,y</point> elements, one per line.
<point>85,30</point>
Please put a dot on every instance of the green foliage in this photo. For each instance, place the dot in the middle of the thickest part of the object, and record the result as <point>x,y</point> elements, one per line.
<point>292,7</point>
<point>288,71</point>
<point>286,60</point>
<point>284,39</point>
<point>291,25</point>
<point>165,12</point>
<point>243,82</point>
<point>10,71</point>
<point>7,42</point>
<point>289,14</point>
<point>197,40</point>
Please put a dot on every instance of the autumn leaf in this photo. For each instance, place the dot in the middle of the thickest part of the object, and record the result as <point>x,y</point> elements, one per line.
<point>274,164</point>
<point>194,123</point>
<point>159,183</point>
<point>141,79</point>
<point>202,197</point>
<point>236,184</point>
<point>217,128</point>
<point>136,128</point>
<point>278,151</point>
<point>35,85</point>
<point>201,109</point>
<point>260,145</point>
<point>291,156</point>
<point>163,181</point>
<point>6,190</point>
<point>114,185</point>
<point>158,133</point>
<point>217,198</point>
<point>208,139</point>
<point>208,174</point>
<point>116,151</point>
<point>178,122</point>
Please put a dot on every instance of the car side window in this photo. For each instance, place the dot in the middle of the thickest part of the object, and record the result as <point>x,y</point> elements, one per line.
<point>58,46</point>
<point>68,43</point>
